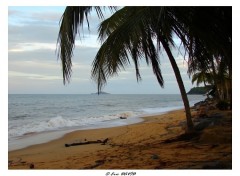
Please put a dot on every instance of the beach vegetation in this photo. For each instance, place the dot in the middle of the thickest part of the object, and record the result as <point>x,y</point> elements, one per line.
<point>199,90</point>
<point>218,78</point>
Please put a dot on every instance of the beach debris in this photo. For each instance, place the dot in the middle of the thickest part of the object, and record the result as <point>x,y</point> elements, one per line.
<point>15,162</point>
<point>123,117</point>
<point>103,142</point>
<point>154,156</point>
<point>31,166</point>
<point>19,162</point>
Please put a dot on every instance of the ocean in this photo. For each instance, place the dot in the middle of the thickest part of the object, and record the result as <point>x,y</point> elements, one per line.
<point>34,119</point>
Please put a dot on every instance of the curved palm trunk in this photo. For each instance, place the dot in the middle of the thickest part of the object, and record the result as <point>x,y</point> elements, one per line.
<point>181,86</point>
<point>204,82</point>
<point>215,79</point>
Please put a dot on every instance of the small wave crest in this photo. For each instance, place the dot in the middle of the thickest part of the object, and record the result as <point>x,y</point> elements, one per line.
<point>127,114</point>
<point>59,122</point>
<point>35,126</point>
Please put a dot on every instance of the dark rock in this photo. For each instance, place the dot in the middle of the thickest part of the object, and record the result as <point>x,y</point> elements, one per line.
<point>155,157</point>
<point>202,124</point>
<point>215,165</point>
<point>123,117</point>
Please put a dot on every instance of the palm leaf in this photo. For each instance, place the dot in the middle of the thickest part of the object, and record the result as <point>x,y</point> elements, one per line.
<point>72,19</point>
<point>138,43</point>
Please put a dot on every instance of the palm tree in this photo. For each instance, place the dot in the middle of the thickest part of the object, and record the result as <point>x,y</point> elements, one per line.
<point>202,77</point>
<point>209,42</point>
<point>223,81</point>
<point>136,32</point>
<point>217,75</point>
<point>206,34</point>
<point>143,26</point>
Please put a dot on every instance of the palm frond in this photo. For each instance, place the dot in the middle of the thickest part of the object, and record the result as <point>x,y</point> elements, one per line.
<point>138,43</point>
<point>72,20</point>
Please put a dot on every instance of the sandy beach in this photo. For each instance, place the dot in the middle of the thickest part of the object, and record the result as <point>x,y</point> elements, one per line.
<point>157,143</point>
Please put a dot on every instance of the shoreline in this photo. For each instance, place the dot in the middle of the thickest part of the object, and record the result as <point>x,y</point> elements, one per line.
<point>46,136</point>
<point>23,133</point>
<point>135,146</point>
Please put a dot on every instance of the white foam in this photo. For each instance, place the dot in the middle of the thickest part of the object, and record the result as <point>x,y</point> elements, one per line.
<point>160,110</point>
<point>23,127</point>
<point>58,122</point>
<point>30,138</point>
<point>26,126</point>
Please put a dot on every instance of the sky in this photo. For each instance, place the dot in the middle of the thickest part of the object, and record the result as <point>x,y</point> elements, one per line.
<point>34,68</point>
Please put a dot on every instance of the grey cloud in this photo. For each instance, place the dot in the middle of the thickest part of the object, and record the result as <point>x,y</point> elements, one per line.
<point>41,54</point>
<point>83,54</point>
<point>32,33</point>
<point>22,85</point>
<point>12,13</point>
<point>49,17</point>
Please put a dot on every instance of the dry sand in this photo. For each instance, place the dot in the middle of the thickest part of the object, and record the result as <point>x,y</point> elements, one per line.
<point>156,143</point>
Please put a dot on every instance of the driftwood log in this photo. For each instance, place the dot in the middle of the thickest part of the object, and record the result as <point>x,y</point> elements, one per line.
<point>103,142</point>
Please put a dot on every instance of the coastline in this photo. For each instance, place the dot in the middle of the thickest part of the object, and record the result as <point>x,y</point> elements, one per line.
<point>136,146</point>
<point>31,121</point>
<point>47,136</point>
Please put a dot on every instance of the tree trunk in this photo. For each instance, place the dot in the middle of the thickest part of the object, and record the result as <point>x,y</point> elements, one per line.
<point>181,86</point>
<point>215,79</point>
<point>204,82</point>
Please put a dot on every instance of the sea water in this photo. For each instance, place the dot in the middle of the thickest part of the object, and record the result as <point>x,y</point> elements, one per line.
<point>34,119</point>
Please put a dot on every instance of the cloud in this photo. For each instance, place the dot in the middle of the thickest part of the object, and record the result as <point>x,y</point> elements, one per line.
<point>43,26</point>
<point>21,47</point>
<point>33,76</point>
<point>33,64</point>
<point>35,15</point>
<point>32,34</point>
<point>89,41</point>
